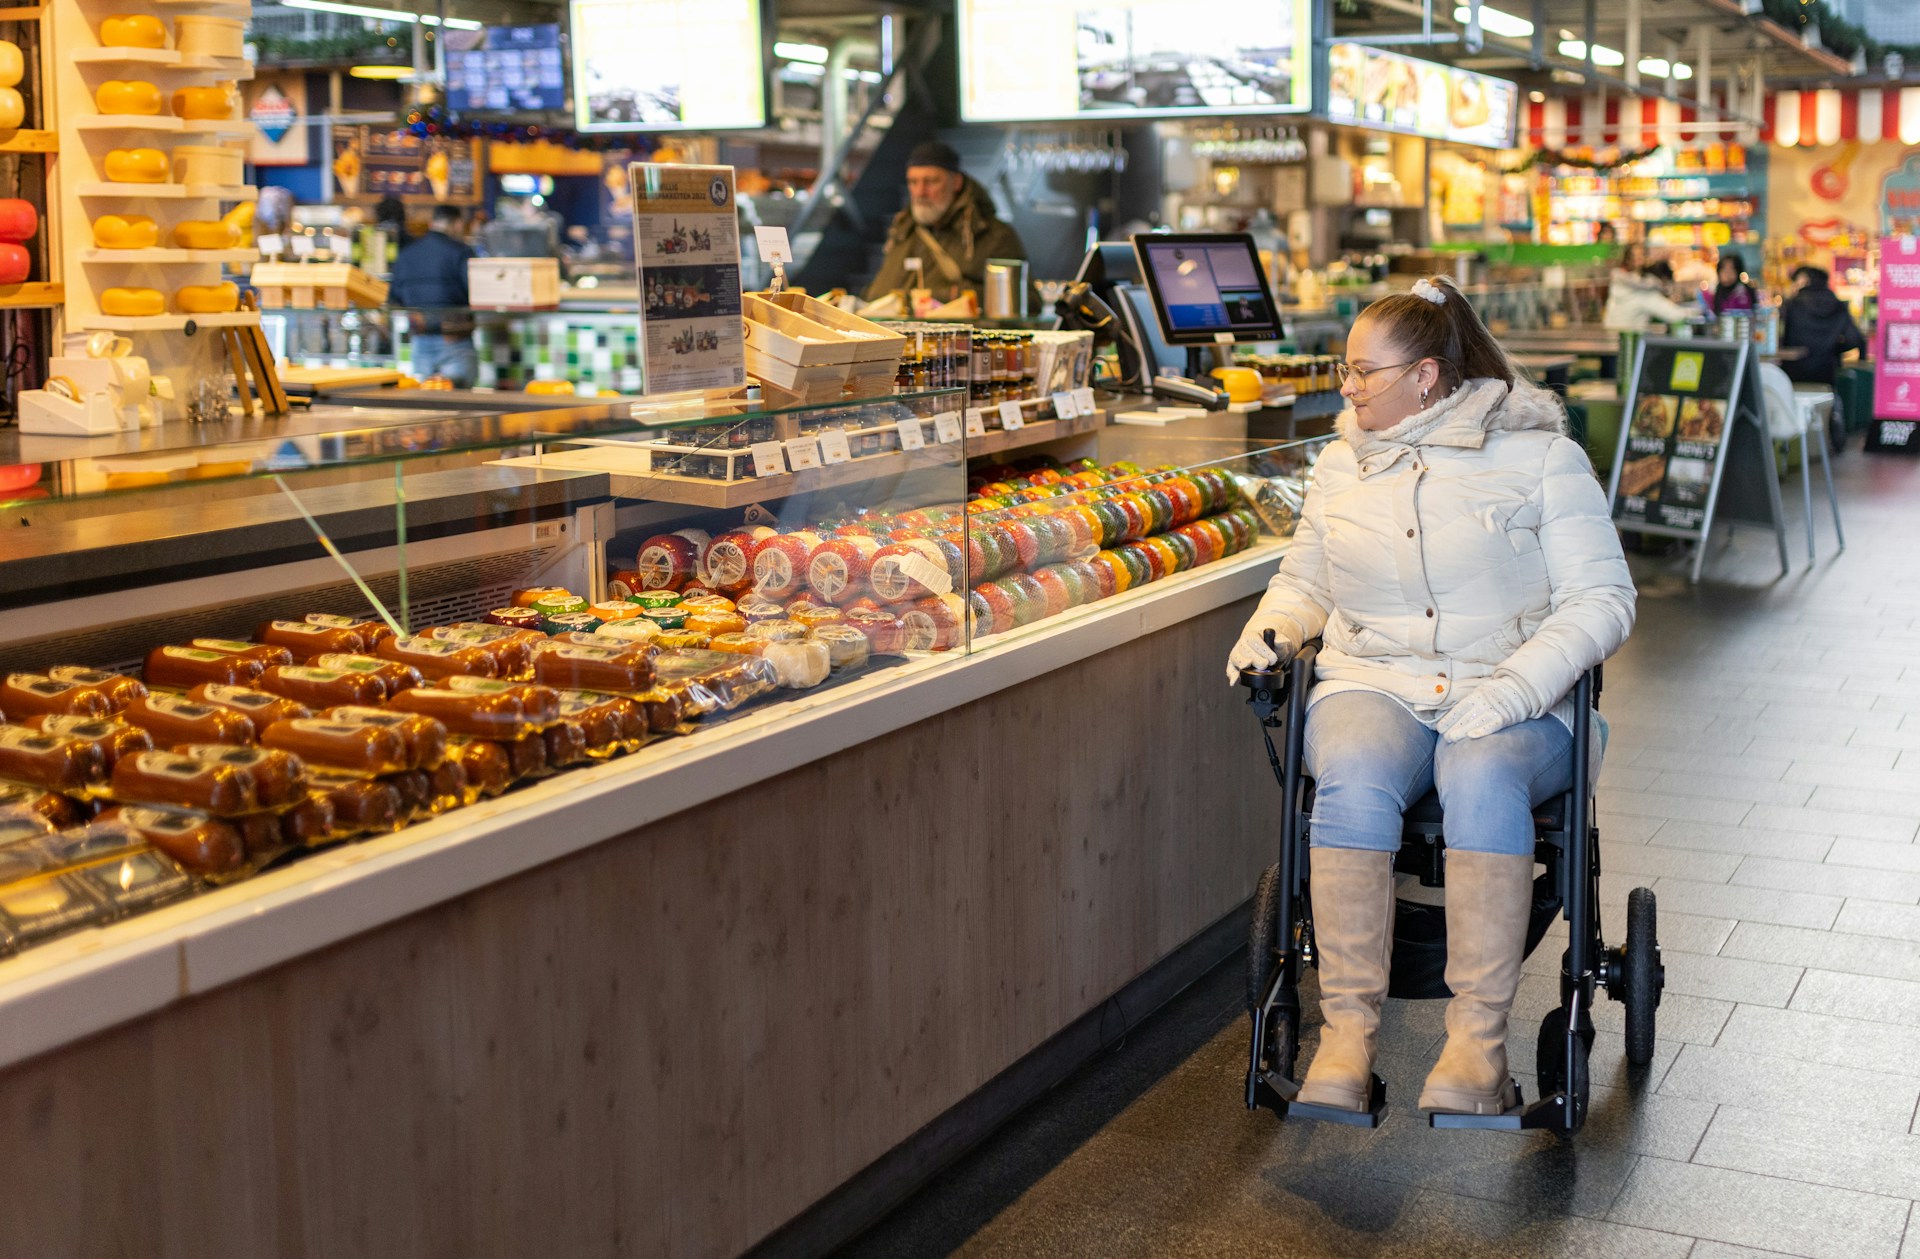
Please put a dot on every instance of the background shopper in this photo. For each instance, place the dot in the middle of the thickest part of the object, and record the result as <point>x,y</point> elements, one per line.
<point>1817,321</point>
<point>1732,295</point>
<point>1456,554</point>
<point>430,282</point>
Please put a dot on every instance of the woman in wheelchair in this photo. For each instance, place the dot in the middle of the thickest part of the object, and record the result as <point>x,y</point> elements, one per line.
<point>1457,556</point>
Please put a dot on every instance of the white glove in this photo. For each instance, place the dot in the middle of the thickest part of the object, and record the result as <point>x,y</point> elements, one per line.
<point>1495,704</point>
<point>1252,652</point>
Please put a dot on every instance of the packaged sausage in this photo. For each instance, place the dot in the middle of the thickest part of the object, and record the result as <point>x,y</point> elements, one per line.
<point>120,689</point>
<point>416,793</point>
<point>356,748</point>
<point>542,703</point>
<point>168,778</point>
<point>263,708</point>
<point>135,882</point>
<point>196,842</point>
<point>566,745</point>
<point>602,719</point>
<point>436,658</point>
<point>49,761</point>
<point>485,764</point>
<point>187,667</point>
<point>527,757</point>
<point>265,653</point>
<point>664,709</point>
<point>451,790</point>
<point>60,811</point>
<point>576,666</point>
<point>360,805</point>
<point>311,822</point>
<point>426,738</point>
<point>172,719</point>
<point>323,688</point>
<point>24,695</point>
<point>114,737</point>
<point>261,834</point>
<point>396,677</point>
<point>305,640</point>
<point>750,677</point>
<point>484,716</point>
<point>512,649</point>
<point>278,778</point>
<point>39,909</point>
<point>692,701</point>
<point>372,631</point>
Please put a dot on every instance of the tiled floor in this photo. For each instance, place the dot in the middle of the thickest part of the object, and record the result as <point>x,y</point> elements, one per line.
<point>1764,779</point>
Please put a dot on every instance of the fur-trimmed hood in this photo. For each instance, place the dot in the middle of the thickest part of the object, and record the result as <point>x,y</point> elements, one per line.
<point>1463,418</point>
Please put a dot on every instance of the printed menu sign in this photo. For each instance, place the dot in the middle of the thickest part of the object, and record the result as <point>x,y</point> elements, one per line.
<point>686,247</point>
<point>1679,405</point>
<point>1896,372</point>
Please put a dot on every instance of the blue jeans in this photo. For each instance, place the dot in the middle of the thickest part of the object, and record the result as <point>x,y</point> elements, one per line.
<point>452,357</point>
<point>1371,758</point>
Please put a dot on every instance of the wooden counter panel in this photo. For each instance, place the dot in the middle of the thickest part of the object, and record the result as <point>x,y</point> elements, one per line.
<point>673,1042</point>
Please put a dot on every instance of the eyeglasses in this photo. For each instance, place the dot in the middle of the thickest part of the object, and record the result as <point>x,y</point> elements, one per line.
<point>1346,372</point>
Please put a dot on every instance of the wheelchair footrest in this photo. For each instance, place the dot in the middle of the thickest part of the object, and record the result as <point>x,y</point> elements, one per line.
<point>1549,1113</point>
<point>1372,1117</point>
<point>1273,1091</point>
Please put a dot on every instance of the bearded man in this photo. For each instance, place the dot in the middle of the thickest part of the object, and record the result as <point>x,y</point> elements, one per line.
<point>949,225</point>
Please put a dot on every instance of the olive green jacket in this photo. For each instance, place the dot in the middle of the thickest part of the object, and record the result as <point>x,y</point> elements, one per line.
<point>967,235</point>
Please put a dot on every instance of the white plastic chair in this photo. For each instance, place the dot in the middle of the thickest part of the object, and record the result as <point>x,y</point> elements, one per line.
<point>1800,415</point>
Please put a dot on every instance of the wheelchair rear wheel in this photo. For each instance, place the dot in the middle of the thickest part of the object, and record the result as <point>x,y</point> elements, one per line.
<point>1263,938</point>
<point>1645,976</point>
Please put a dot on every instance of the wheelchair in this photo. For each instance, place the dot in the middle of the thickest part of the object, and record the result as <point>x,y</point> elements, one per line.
<point>1566,842</point>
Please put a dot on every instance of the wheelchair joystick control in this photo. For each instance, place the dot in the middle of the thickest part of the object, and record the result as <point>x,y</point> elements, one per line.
<point>1267,688</point>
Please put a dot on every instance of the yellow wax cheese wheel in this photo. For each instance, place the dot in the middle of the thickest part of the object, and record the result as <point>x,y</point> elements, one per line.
<point>133,30</point>
<point>131,231</point>
<point>128,96</point>
<point>137,166</point>
<point>207,299</point>
<point>133,302</point>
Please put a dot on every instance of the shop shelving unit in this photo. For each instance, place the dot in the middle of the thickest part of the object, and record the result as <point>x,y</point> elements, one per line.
<point>176,344</point>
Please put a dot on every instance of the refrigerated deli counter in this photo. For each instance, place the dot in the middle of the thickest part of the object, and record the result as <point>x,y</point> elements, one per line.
<point>921,782</point>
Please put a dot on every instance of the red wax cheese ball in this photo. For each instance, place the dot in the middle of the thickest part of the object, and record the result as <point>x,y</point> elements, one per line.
<point>780,565</point>
<point>937,623</point>
<point>1054,587</point>
<point>837,569</point>
<point>671,561</point>
<point>729,563</point>
<point>911,570</point>
<point>991,607</point>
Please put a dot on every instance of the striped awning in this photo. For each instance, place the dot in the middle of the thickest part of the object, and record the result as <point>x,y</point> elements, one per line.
<point>1629,123</point>
<point>1832,115</point>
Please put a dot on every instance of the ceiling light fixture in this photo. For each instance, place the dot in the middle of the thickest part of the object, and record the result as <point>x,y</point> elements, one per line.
<point>813,54</point>
<point>382,15</point>
<point>1602,55</point>
<point>1497,21</point>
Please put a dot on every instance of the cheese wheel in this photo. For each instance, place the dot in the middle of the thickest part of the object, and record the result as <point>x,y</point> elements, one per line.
<point>729,561</point>
<point>935,623</point>
<point>780,564</point>
<point>837,569</point>
<point>671,561</point>
<point>903,571</point>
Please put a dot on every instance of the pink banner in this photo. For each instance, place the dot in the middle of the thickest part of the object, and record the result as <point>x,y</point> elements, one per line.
<point>1896,371</point>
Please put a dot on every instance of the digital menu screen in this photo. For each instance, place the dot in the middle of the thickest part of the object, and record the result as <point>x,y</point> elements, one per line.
<point>1367,87</point>
<point>1035,60</point>
<point>505,68</point>
<point>668,65</point>
<point>1206,287</point>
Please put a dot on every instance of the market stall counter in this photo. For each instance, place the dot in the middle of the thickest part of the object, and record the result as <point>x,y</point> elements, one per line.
<point>743,958</point>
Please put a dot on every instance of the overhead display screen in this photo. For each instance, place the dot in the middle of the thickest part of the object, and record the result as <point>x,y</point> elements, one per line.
<point>505,68</point>
<point>668,65</point>
<point>1038,60</point>
<point>1368,87</point>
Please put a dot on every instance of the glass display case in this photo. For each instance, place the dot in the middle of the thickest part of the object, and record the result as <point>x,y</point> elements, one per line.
<point>228,646</point>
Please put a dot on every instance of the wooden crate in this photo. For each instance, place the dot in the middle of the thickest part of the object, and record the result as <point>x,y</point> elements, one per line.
<point>781,335</point>
<point>871,342</point>
<point>316,286</point>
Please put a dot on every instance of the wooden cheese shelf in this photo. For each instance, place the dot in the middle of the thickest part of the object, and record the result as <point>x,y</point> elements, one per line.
<point>31,142</point>
<point>665,487</point>
<point>170,192</point>
<point>141,257</point>
<point>21,296</point>
<point>167,323</point>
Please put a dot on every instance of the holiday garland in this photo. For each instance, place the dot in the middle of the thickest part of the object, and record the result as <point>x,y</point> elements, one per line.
<point>1560,157</point>
<point>434,120</point>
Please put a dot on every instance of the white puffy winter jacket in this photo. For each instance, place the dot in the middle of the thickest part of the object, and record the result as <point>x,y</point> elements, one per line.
<point>1470,540</point>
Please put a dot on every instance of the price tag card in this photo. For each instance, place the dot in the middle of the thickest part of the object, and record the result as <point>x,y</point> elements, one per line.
<point>1064,405</point>
<point>1010,417</point>
<point>302,245</point>
<point>834,448</point>
<point>1083,399</point>
<point>773,244</point>
<point>769,458</point>
<point>803,452</point>
<point>946,427</point>
<point>270,244</point>
<point>911,437</point>
<point>976,424</point>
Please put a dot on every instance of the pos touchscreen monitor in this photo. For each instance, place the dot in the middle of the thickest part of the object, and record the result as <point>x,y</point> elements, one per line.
<point>1208,288</point>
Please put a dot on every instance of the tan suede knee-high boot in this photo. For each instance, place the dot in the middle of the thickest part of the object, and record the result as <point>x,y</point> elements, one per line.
<point>1353,930</point>
<point>1489,898</point>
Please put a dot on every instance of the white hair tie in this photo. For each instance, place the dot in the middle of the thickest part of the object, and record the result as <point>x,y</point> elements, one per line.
<point>1430,291</point>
